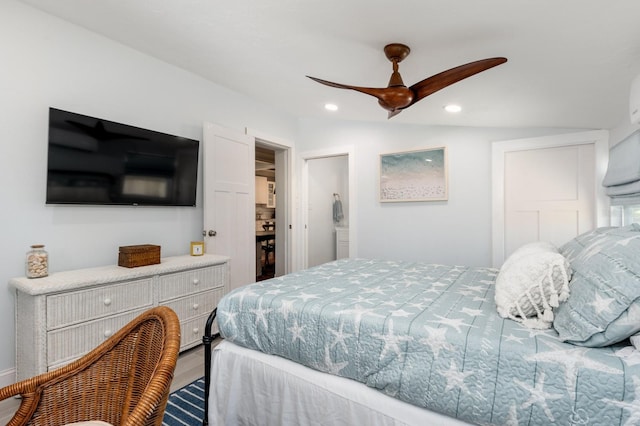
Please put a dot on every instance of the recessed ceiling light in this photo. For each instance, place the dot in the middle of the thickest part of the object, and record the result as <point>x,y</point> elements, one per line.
<point>453,108</point>
<point>331,107</point>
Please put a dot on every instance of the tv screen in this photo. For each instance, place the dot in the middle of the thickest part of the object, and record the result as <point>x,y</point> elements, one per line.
<point>95,161</point>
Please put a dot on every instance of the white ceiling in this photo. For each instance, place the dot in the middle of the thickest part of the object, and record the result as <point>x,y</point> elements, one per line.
<point>570,61</point>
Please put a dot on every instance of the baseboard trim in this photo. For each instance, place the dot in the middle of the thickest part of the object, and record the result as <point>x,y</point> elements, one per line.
<point>7,377</point>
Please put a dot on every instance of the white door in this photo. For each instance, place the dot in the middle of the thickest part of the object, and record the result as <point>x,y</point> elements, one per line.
<point>283,218</point>
<point>547,189</point>
<point>229,200</point>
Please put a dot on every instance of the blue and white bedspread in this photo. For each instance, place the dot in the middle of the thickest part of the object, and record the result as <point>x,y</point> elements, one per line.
<point>430,335</point>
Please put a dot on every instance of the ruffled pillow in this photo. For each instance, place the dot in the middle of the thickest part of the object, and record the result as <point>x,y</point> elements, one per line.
<point>531,282</point>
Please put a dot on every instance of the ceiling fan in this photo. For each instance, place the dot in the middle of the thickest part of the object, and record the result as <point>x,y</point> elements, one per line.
<point>396,96</point>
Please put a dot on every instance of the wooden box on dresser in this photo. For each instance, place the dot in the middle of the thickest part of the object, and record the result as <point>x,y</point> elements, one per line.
<point>63,316</point>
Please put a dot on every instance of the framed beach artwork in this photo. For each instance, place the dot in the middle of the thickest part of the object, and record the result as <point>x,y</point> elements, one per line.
<point>419,175</point>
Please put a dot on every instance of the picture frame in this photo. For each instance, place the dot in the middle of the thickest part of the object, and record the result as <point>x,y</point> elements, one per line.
<point>197,248</point>
<point>418,175</point>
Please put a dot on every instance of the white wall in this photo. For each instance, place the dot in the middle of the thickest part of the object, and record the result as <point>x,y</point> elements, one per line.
<point>48,62</point>
<point>457,231</point>
<point>621,131</point>
<point>326,176</point>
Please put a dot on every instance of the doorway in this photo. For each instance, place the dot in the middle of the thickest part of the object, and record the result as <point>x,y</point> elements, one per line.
<point>328,208</point>
<point>273,161</point>
<point>266,196</point>
<point>328,179</point>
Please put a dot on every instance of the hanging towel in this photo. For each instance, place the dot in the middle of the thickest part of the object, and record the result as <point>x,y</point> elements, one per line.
<point>338,215</point>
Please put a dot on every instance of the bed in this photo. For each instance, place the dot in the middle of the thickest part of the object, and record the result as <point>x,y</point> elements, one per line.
<point>545,339</point>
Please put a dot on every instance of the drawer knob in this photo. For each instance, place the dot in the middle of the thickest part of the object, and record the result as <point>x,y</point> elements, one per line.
<point>108,333</point>
<point>196,281</point>
<point>196,330</point>
<point>107,301</point>
<point>195,306</point>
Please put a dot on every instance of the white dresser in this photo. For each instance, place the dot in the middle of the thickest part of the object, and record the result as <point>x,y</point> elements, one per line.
<point>63,316</point>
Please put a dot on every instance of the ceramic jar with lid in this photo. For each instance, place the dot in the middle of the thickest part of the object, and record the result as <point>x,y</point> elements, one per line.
<point>37,264</point>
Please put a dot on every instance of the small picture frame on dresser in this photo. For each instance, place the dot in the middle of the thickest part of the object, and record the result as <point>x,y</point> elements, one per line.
<point>197,248</point>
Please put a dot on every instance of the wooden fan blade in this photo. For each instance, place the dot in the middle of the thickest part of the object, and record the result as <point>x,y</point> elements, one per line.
<point>373,91</point>
<point>446,78</point>
<point>390,98</point>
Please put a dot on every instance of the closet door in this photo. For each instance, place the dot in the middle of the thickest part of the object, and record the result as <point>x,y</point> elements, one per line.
<point>547,189</point>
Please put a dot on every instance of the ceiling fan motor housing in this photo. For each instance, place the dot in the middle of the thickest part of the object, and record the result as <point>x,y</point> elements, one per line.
<point>400,97</point>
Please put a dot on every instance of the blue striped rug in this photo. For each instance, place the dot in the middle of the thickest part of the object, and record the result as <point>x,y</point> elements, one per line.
<point>186,405</point>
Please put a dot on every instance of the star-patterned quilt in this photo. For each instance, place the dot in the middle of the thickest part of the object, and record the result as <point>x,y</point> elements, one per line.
<point>430,335</point>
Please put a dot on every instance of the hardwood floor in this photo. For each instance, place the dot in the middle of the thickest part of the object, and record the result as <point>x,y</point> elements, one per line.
<point>190,367</point>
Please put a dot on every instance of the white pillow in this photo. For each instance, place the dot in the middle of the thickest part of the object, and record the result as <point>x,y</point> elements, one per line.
<point>531,282</point>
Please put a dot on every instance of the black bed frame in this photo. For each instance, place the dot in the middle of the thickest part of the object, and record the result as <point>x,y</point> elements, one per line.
<point>208,339</point>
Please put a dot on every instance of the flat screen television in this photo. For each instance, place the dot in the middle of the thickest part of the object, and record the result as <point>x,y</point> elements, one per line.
<point>100,162</point>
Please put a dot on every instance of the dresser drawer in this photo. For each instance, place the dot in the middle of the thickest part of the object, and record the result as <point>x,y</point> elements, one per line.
<point>193,281</point>
<point>195,305</point>
<point>79,306</point>
<point>191,331</point>
<point>66,344</point>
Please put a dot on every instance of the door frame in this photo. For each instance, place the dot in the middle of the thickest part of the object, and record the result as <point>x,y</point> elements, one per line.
<point>600,140</point>
<point>285,229</point>
<point>348,150</point>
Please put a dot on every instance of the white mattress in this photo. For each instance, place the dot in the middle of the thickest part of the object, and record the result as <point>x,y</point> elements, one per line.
<point>252,388</point>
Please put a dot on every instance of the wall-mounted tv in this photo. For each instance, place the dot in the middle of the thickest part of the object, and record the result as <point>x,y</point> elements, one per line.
<point>100,162</point>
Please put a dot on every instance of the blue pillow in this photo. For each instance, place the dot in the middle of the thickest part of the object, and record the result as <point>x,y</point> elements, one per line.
<point>604,304</point>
